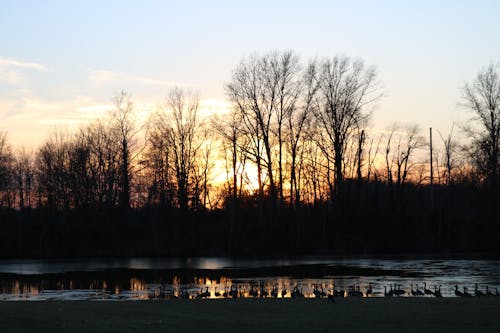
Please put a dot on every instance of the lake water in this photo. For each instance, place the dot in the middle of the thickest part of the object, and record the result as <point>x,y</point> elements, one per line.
<point>146,278</point>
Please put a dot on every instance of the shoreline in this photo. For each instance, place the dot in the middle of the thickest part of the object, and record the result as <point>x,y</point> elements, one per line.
<point>250,315</point>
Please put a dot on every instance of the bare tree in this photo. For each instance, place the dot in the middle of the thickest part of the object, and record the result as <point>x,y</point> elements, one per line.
<point>402,141</point>
<point>23,171</point>
<point>233,144</point>
<point>157,160</point>
<point>297,121</point>
<point>253,92</point>
<point>482,99</point>
<point>123,120</point>
<point>104,162</point>
<point>6,161</point>
<point>450,147</point>
<point>345,88</point>
<point>283,80</point>
<point>178,123</point>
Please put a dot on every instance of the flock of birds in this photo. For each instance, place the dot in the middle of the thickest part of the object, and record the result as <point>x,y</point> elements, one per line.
<point>260,291</point>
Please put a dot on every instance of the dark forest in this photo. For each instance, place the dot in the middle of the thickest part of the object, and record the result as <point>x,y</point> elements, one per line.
<point>292,168</point>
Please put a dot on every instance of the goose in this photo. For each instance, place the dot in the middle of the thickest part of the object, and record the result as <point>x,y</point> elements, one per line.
<point>437,291</point>
<point>253,292</point>
<point>170,294</point>
<point>427,291</point>
<point>296,293</point>
<point>184,294</point>
<point>216,293</point>
<point>418,291</point>
<point>351,291</point>
<point>466,292</point>
<point>413,292</point>
<point>225,293</point>
<point>358,291</point>
<point>274,291</point>
<point>488,292</point>
<point>233,292</point>
<point>162,294</point>
<point>354,291</point>
<point>388,293</point>
<point>331,297</point>
<point>458,293</point>
<point>369,291</point>
<point>201,294</point>
<point>316,292</point>
<point>263,293</point>
<point>398,291</point>
<point>322,292</point>
<point>204,294</point>
<point>337,292</point>
<point>283,292</point>
<point>478,292</point>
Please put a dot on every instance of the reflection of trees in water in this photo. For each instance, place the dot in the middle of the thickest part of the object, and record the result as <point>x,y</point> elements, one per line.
<point>276,281</point>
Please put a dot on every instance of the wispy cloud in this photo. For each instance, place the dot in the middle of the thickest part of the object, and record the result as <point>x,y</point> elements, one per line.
<point>12,71</point>
<point>101,76</point>
<point>5,62</point>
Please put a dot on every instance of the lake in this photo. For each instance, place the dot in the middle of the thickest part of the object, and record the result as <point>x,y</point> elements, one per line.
<point>165,278</point>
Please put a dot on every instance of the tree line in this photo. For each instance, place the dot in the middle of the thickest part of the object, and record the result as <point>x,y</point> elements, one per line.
<point>296,146</point>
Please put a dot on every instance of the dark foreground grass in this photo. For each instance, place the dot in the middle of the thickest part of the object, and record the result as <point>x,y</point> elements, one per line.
<point>255,315</point>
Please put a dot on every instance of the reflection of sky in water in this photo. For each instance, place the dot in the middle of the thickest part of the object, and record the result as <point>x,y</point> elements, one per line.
<point>446,273</point>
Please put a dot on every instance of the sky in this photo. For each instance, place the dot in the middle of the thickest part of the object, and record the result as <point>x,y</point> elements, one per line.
<point>62,61</point>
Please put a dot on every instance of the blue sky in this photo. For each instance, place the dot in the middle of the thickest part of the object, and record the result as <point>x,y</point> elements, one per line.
<point>61,61</point>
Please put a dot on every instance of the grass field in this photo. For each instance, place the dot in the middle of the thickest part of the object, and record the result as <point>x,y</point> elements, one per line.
<point>255,315</point>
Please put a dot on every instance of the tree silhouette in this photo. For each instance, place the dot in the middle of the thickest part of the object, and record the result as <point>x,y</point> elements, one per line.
<point>482,99</point>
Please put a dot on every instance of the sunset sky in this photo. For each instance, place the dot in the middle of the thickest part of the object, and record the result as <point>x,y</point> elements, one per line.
<point>62,61</point>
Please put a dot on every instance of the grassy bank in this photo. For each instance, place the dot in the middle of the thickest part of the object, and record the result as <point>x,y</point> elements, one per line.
<point>251,315</point>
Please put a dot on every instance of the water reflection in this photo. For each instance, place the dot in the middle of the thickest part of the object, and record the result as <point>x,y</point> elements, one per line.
<point>206,288</point>
<point>212,279</point>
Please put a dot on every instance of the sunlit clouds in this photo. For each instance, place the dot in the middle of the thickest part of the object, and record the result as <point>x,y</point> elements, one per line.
<point>29,119</point>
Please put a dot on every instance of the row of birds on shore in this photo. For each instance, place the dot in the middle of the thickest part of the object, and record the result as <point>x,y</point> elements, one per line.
<point>235,291</point>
